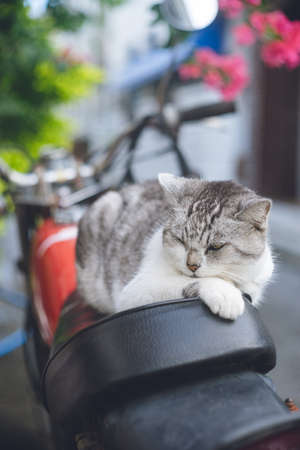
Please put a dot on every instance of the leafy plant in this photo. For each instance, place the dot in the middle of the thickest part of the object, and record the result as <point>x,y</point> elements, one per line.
<point>35,79</point>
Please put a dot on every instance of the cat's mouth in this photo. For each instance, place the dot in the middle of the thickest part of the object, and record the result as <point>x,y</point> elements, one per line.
<point>190,274</point>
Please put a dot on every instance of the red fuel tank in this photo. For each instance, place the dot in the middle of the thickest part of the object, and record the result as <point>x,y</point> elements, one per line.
<point>53,275</point>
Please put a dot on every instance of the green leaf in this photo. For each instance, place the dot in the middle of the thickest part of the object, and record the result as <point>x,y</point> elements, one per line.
<point>35,80</point>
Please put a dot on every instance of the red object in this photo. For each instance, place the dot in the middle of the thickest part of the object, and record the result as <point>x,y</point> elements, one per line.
<point>287,440</point>
<point>53,275</point>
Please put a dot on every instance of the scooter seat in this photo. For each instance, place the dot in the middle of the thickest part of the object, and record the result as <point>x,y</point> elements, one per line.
<point>98,357</point>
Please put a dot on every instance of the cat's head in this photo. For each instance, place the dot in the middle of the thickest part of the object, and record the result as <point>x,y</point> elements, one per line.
<point>214,228</point>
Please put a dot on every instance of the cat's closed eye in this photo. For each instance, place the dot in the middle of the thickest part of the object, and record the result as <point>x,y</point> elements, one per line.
<point>178,239</point>
<point>215,247</point>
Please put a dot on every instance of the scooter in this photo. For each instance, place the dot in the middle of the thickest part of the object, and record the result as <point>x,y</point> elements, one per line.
<point>165,376</point>
<point>168,375</point>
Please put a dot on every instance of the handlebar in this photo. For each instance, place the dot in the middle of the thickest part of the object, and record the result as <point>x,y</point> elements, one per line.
<point>162,122</point>
<point>206,111</point>
<point>88,170</point>
<point>50,176</point>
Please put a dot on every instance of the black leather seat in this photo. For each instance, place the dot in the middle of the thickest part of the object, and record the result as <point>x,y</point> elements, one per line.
<point>97,356</point>
<point>167,376</point>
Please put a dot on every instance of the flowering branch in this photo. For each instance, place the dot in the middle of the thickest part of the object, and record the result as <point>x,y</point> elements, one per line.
<point>228,74</point>
<point>279,36</point>
<point>280,46</point>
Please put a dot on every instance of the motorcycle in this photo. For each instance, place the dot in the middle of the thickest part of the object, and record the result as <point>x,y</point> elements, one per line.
<point>164,376</point>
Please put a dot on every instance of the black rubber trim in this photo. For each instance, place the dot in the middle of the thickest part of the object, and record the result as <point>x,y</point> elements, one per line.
<point>256,431</point>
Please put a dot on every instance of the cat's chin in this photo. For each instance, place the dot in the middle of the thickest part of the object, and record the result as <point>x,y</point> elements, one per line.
<point>189,274</point>
<point>203,274</point>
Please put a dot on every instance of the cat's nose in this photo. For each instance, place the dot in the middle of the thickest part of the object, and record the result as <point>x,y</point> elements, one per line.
<point>193,267</point>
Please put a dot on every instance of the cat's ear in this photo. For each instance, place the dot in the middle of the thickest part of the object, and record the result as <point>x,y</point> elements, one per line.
<point>256,212</point>
<point>172,185</point>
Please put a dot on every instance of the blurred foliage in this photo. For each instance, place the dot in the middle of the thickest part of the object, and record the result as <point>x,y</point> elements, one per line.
<point>35,79</point>
<point>16,159</point>
<point>63,18</point>
<point>69,20</point>
<point>111,3</point>
<point>175,35</point>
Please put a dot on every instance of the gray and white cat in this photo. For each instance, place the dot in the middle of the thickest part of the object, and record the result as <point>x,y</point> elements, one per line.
<point>175,238</point>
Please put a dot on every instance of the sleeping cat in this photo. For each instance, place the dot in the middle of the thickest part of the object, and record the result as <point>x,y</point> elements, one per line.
<point>175,238</point>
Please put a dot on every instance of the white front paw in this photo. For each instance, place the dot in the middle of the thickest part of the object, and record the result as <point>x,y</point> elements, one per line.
<point>222,298</point>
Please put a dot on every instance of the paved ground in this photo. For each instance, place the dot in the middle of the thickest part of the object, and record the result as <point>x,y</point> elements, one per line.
<point>21,420</point>
<point>281,314</point>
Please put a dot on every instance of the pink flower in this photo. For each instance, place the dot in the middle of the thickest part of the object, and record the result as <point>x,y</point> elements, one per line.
<point>236,76</point>
<point>258,21</point>
<point>293,38</point>
<point>206,56</point>
<point>189,71</point>
<point>271,25</point>
<point>230,92</point>
<point>278,22</point>
<point>278,53</point>
<point>284,48</point>
<point>272,53</point>
<point>213,78</point>
<point>244,34</point>
<point>232,8</point>
<point>228,74</point>
<point>254,2</point>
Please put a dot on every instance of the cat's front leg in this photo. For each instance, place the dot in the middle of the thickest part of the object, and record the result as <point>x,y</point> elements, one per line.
<point>255,291</point>
<point>221,296</point>
<point>149,288</point>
